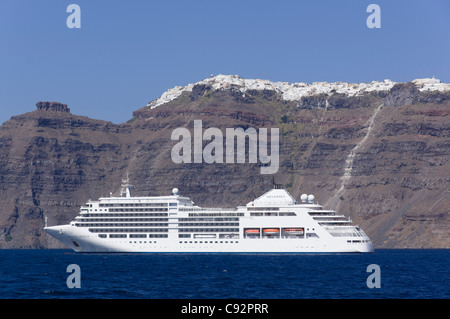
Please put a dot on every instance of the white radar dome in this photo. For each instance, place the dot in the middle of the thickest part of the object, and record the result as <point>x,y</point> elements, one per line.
<point>304,198</point>
<point>311,198</point>
<point>175,191</point>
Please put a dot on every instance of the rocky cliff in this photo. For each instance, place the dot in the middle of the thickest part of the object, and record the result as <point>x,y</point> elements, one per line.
<point>378,153</point>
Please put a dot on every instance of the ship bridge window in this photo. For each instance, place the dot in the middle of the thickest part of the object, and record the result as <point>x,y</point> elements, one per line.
<point>288,214</point>
<point>270,214</point>
<point>256,214</point>
<point>173,204</point>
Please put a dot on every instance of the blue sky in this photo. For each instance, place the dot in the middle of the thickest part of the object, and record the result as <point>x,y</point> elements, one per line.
<point>127,53</point>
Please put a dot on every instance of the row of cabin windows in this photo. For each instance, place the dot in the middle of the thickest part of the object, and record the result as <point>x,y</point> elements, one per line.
<point>209,219</point>
<point>207,224</point>
<point>138,209</point>
<point>122,220</point>
<point>132,205</point>
<point>122,225</point>
<point>125,215</point>
<point>128,230</point>
<point>274,214</point>
<point>263,208</point>
<point>215,214</point>
<point>209,242</point>
<point>132,236</point>
<point>207,230</point>
<point>85,210</point>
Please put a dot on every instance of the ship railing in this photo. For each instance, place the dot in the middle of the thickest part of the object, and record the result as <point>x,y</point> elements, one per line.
<point>345,231</point>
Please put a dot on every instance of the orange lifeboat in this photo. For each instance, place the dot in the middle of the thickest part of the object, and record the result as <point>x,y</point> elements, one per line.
<point>271,231</point>
<point>294,231</point>
<point>252,231</point>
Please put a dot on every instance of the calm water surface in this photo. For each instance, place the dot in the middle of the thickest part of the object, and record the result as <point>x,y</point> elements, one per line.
<point>42,274</point>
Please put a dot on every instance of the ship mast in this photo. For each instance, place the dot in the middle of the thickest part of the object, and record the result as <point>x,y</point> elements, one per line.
<point>126,187</point>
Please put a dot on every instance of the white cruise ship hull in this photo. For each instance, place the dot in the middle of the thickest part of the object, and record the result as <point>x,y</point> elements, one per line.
<point>273,223</point>
<point>89,243</point>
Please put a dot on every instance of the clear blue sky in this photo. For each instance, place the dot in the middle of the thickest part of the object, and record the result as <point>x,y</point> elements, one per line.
<point>127,53</point>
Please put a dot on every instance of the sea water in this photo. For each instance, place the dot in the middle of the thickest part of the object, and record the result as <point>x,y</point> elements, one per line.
<point>44,274</point>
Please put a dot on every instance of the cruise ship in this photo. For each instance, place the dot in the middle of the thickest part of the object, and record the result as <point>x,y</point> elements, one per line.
<point>272,223</point>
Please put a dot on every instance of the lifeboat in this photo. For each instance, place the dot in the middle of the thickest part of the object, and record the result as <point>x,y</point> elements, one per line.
<point>252,231</point>
<point>294,231</point>
<point>271,231</point>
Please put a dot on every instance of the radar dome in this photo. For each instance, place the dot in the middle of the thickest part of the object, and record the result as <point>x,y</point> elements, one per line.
<point>304,198</point>
<point>311,198</point>
<point>175,191</point>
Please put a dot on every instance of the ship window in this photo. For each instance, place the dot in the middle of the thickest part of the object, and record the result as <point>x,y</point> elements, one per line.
<point>263,208</point>
<point>173,204</point>
<point>288,214</point>
<point>75,243</point>
<point>117,236</point>
<point>138,235</point>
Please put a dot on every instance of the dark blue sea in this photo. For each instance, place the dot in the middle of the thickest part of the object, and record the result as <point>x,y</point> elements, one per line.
<point>42,274</point>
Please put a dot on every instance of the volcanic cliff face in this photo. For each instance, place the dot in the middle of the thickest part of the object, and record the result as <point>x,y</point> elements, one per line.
<point>379,156</point>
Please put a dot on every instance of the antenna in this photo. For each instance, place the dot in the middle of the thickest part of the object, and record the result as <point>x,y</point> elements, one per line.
<point>275,185</point>
<point>126,187</point>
